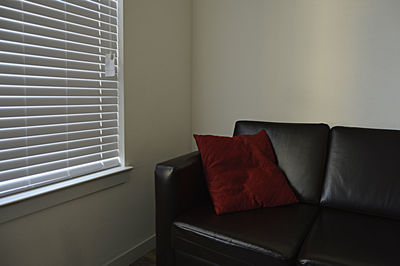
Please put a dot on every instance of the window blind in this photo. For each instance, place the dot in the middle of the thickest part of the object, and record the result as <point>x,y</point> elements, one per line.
<point>58,109</point>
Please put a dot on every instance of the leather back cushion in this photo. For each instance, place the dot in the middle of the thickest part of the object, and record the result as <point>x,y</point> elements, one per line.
<point>300,151</point>
<point>363,172</point>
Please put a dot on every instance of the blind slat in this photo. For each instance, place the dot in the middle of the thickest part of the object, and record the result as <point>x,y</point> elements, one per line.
<point>23,151</point>
<point>16,111</point>
<point>39,36</point>
<point>56,91</point>
<point>56,119</point>
<point>52,153</point>
<point>43,48</point>
<point>53,138</point>
<point>42,164</point>
<point>44,18</point>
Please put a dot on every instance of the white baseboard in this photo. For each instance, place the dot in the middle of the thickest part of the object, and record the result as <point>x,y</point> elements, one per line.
<point>132,254</point>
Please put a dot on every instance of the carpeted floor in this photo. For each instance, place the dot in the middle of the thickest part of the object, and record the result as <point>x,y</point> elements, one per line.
<point>148,260</point>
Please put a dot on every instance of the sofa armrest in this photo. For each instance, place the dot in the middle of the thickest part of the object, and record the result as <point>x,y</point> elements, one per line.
<point>180,185</point>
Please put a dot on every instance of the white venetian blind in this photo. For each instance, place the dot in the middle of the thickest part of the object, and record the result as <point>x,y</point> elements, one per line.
<point>58,110</point>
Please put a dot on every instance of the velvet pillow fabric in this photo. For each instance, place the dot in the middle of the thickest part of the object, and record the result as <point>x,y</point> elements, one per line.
<point>242,174</point>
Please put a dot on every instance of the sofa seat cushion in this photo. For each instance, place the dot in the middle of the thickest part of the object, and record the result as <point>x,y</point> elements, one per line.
<point>268,236</point>
<point>345,238</point>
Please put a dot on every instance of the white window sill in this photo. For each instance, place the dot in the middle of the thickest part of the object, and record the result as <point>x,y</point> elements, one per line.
<point>27,202</point>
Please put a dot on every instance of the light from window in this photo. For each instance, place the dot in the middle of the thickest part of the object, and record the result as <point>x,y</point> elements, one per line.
<point>58,108</point>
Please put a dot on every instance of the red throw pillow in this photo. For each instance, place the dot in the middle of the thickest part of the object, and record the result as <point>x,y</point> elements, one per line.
<point>242,174</point>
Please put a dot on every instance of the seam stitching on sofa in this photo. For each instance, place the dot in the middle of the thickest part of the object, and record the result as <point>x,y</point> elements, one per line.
<point>239,243</point>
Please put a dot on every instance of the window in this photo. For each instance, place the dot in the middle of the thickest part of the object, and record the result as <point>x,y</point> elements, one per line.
<point>59,91</point>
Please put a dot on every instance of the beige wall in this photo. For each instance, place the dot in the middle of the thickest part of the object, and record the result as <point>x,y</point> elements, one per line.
<point>95,229</point>
<point>307,61</point>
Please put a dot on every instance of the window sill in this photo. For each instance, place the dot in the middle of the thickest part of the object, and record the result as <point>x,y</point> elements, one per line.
<point>27,202</point>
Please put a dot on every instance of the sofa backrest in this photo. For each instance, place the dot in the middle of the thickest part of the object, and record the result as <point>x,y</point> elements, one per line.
<point>300,150</point>
<point>363,171</point>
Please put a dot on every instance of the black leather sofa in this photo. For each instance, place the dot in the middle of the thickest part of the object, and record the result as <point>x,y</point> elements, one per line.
<point>347,181</point>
